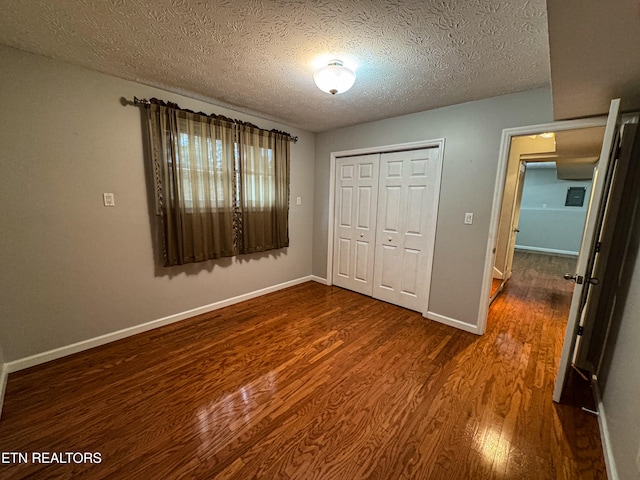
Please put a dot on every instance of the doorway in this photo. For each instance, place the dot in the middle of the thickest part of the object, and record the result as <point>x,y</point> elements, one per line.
<point>504,189</point>
<point>545,197</point>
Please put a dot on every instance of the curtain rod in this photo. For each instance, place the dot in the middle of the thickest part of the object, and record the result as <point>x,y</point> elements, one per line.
<point>143,102</point>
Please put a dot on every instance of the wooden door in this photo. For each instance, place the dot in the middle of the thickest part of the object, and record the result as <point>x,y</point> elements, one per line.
<point>355,222</point>
<point>407,211</point>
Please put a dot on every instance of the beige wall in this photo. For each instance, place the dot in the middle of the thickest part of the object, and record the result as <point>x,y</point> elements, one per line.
<point>472,133</point>
<point>73,269</point>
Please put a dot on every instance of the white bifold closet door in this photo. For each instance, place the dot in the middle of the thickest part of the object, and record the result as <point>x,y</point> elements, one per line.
<point>385,225</point>
<point>405,231</point>
<point>355,222</point>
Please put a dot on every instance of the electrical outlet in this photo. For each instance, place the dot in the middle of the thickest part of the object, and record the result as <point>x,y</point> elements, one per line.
<point>468,218</point>
<point>109,199</point>
<point>298,200</point>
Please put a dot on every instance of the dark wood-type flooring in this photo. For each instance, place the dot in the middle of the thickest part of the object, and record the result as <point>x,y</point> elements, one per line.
<point>496,285</point>
<point>317,382</point>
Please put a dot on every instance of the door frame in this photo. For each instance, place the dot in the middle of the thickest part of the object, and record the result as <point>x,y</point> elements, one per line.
<point>438,142</point>
<point>498,193</point>
<point>515,210</point>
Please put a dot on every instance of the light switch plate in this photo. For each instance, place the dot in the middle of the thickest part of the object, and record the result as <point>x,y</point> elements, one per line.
<point>109,199</point>
<point>468,218</point>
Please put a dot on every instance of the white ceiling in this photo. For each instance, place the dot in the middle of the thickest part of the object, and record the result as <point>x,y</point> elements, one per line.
<point>258,56</point>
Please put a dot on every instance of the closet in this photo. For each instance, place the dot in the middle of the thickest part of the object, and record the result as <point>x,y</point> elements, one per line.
<point>384,224</point>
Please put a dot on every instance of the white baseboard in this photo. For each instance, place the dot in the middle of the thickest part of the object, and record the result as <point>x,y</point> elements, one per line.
<point>609,461</point>
<point>4,373</point>
<point>54,354</point>
<point>321,280</point>
<point>551,251</point>
<point>452,322</point>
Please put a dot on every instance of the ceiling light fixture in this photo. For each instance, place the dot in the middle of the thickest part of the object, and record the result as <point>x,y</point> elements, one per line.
<point>334,78</point>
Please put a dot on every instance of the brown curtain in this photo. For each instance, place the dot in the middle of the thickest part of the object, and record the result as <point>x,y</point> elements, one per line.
<point>221,187</point>
<point>193,158</point>
<point>263,200</point>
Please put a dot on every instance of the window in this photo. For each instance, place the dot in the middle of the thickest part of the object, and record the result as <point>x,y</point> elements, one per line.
<point>259,183</point>
<point>222,187</point>
<point>207,162</point>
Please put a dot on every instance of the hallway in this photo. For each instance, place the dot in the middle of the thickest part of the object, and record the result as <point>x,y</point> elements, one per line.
<point>530,317</point>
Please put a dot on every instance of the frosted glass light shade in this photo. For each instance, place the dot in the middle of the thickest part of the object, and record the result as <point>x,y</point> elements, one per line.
<point>334,78</point>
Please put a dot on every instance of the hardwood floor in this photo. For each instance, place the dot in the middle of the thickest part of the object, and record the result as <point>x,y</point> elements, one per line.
<point>496,288</point>
<point>316,382</point>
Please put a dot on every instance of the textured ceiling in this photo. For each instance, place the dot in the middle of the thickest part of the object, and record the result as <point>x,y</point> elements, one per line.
<point>258,56</point>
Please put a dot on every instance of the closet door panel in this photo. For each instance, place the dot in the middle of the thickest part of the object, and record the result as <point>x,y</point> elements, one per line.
<point>407,189</point>
<point>355,222</point>
<point>388,260</point>
<point>344,257</point>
